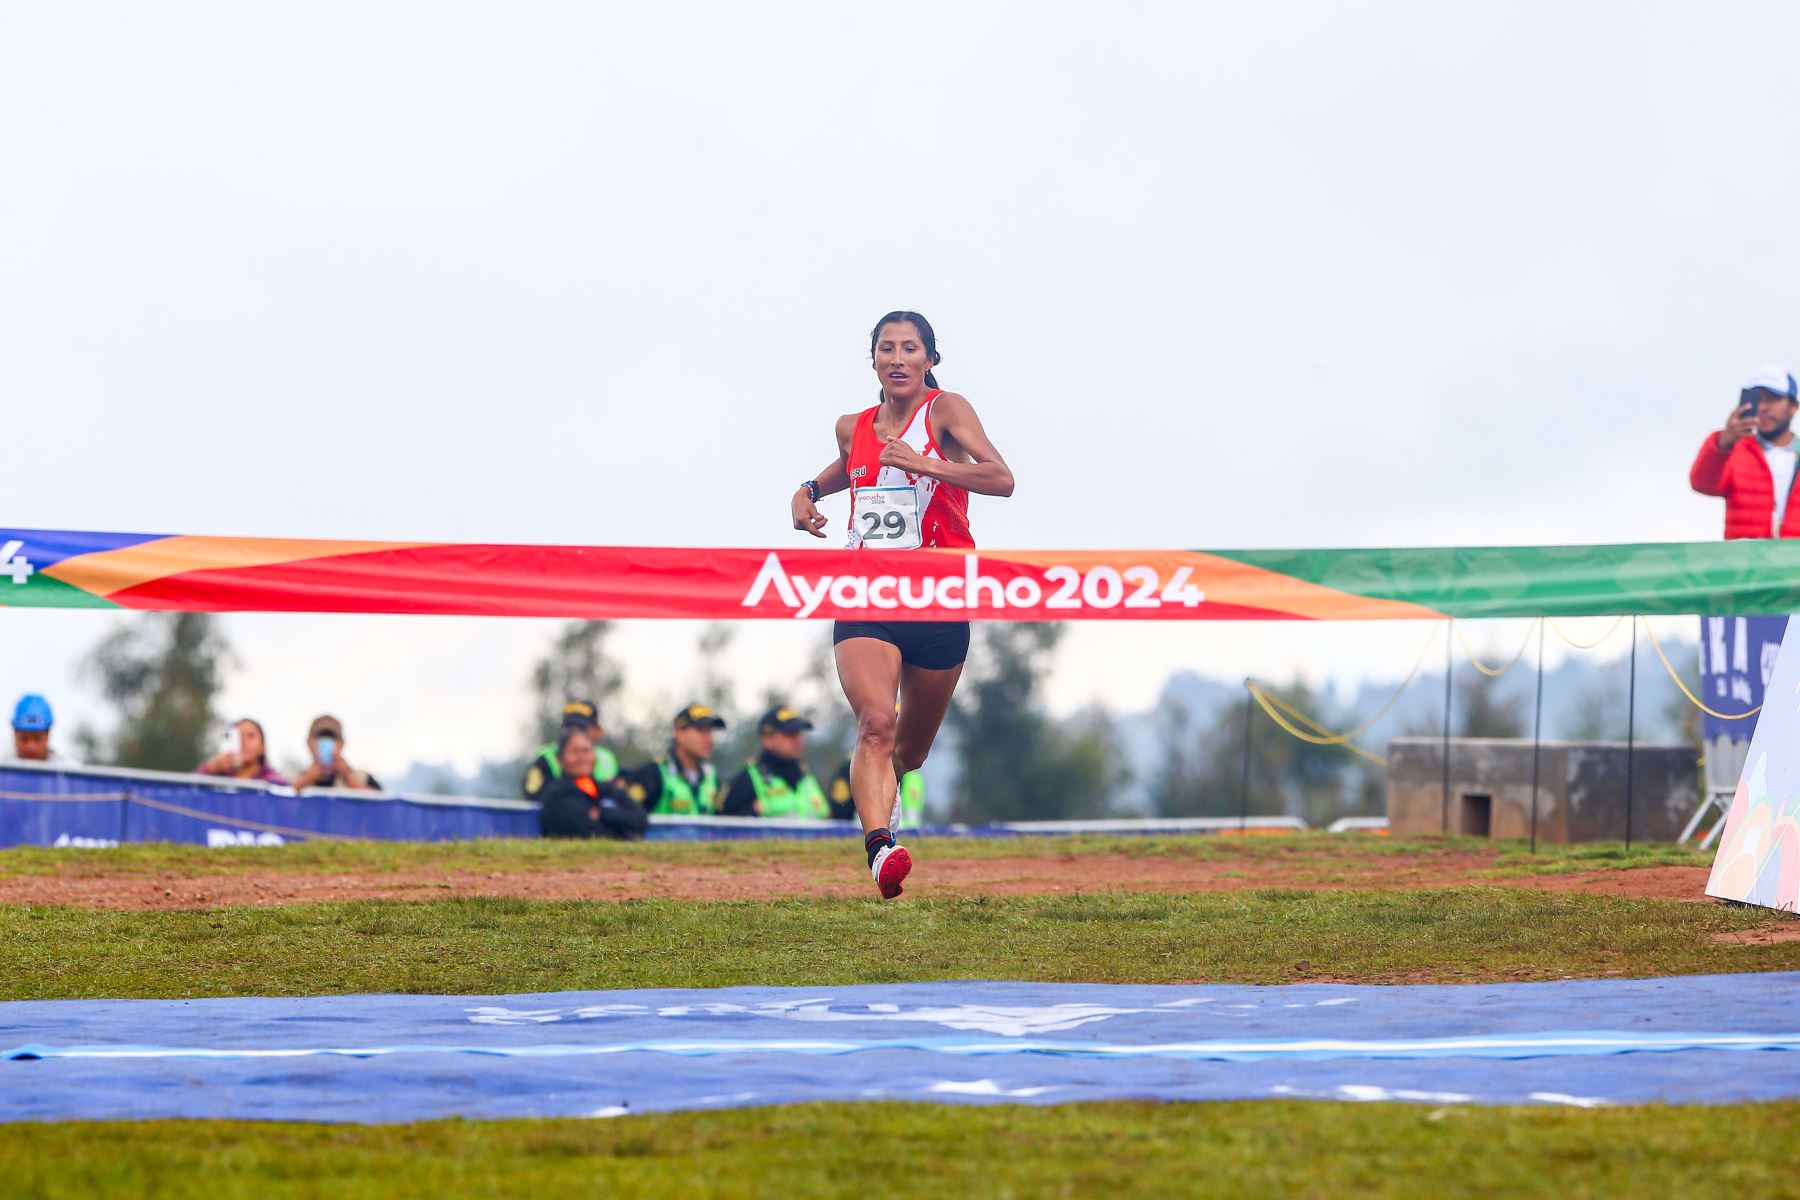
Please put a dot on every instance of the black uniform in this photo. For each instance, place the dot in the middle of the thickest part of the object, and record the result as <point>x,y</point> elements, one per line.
<point>843,808</point>
<point>570,812</point>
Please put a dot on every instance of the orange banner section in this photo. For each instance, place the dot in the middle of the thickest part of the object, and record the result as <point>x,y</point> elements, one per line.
<point>111,571</point>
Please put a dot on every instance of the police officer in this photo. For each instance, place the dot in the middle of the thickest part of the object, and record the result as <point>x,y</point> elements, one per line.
<point>682,782</point>
<point>545,769</point>
<point>777,783</point>
<point>912,797</point>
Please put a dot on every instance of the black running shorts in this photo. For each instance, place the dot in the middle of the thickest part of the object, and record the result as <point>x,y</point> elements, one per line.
<point>933,645</point>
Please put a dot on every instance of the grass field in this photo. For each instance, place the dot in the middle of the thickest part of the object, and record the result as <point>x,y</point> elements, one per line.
<point>1111,1150</point>
<point>1507,858</point>
<point>481,945</point>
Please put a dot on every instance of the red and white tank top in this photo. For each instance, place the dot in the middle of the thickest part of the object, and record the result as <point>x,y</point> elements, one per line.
<point>943,508</point>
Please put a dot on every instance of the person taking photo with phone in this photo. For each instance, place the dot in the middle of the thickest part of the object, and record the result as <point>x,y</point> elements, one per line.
<point>243,754</point>
<point>1750,462</point>
<point>329,768</point>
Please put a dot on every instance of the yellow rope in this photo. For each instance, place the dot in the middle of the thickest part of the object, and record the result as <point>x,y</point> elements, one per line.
<point>1610,630</point>
<point>1296,714</point>
<point>1380,712</point>
<point>1692,699</point>
<point>1393,699</point>
<point>1490,672</point>
<point>1330,739</point>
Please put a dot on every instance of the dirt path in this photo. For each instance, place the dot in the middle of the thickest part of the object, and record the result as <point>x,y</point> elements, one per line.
<point>1022,875</point>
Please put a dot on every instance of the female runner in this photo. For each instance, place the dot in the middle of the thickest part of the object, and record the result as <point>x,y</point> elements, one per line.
<point>910,462</point>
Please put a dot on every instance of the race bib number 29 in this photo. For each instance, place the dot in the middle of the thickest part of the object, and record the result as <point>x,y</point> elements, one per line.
<point>885,518</point>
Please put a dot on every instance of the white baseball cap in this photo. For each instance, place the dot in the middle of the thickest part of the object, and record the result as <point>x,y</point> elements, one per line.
<point>1772,378</point>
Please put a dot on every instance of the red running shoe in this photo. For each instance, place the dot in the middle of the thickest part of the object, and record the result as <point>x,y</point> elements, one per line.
<point>891,866</point>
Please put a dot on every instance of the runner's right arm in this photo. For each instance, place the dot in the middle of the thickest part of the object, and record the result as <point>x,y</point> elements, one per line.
<point>833,479</point>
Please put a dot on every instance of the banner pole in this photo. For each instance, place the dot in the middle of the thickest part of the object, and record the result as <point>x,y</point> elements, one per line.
<point>1244,782</point>
<point>1630,734</point>
<point>1449,626</point>
<point>1537,736</point>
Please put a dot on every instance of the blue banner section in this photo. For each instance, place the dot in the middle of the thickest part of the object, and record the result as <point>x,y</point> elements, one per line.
<point>1710,1039</point>
<point>89,807</point>
<point>1737,656</point>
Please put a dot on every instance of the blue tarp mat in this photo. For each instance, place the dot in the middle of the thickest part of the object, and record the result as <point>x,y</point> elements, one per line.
<point>1704,1039</point>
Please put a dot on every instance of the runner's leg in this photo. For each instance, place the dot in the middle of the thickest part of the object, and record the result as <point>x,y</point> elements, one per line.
<point>869,669</point>
<point>924,701</point>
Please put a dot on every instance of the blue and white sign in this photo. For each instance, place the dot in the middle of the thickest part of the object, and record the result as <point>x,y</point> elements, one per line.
<point>1737,656</point>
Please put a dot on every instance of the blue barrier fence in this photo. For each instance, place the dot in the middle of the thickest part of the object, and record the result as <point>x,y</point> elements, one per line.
<point>49,804</point>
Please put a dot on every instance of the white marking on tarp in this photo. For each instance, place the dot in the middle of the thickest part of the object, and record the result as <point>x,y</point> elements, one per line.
<point>983,1087</point>
<point>1564,1098</point>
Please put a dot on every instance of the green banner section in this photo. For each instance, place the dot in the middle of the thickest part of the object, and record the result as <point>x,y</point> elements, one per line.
<point>41,591</point>
<point>1743,577</point>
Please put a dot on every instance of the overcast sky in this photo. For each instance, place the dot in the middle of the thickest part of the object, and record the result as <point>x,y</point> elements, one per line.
<point>1392,274</point>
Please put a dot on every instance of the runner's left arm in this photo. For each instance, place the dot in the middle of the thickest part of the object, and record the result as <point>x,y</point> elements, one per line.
<point>956,422</point>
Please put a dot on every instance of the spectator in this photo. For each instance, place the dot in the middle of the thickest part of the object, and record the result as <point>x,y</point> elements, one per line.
<point>31,722</point>
<point>912,797</point>
<point>1750,462</point>
<point>575,805</point>
<point>682,782</point>
<point>777,783</point>
<point>576,714</point>
<point>245,755</point>
<point>329,767</point>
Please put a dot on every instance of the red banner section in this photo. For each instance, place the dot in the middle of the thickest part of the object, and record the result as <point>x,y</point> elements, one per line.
<point>209,574</point>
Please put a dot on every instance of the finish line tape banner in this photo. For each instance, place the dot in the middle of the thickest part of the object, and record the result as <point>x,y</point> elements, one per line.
<point>185,573</point>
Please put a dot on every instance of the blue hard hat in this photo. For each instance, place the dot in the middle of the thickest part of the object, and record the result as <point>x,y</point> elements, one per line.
<point>32,713</point>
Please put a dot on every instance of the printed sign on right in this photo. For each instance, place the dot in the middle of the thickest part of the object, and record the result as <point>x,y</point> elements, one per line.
<point>1759,853</point>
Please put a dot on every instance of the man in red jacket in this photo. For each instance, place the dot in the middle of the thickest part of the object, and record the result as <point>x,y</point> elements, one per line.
<point>1751,461</point>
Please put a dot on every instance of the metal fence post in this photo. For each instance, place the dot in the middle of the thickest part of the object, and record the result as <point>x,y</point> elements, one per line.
<point>1244,783</point>
<point>1449,627</point>
<point>1630,734</point>
<point>1537,735</point>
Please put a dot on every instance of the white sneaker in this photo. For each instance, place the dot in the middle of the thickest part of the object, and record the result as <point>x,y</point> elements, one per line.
<point>891,866</point>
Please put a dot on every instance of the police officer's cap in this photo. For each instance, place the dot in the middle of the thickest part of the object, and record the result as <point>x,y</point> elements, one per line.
<point>698,715</point>
<point>580,714</point>
<point>782,719</point>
